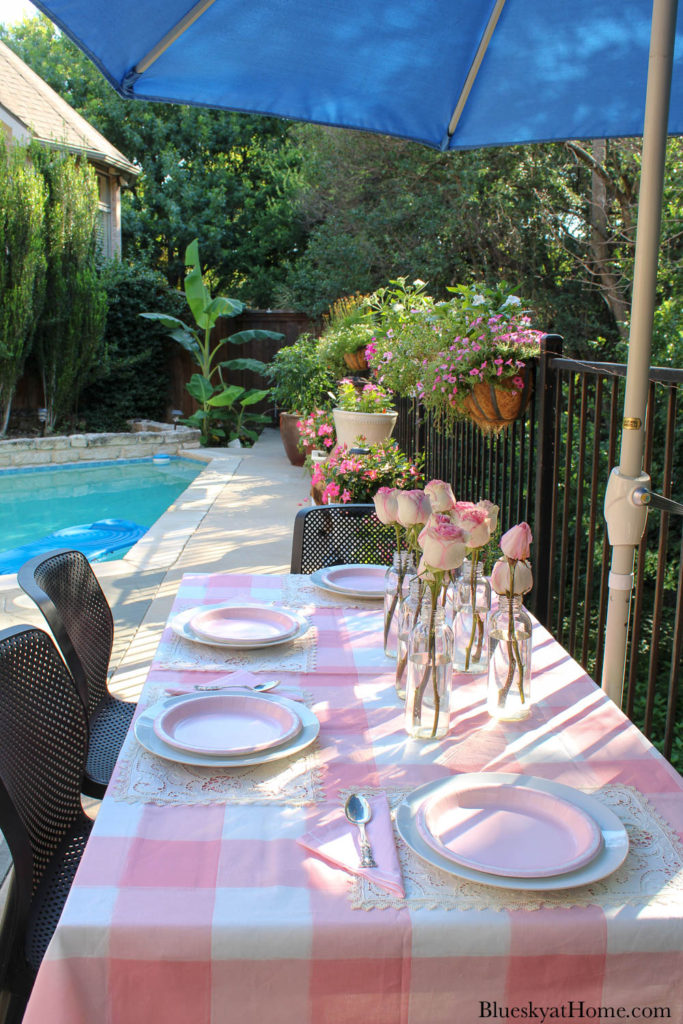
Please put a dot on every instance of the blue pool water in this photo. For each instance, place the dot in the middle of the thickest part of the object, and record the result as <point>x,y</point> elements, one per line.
<point>37,502</point>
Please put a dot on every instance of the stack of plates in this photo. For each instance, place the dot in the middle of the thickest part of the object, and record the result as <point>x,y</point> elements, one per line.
<point>226,730</point>
<point>243,626</point>
<point>513,831</point>
<point>352,580</point>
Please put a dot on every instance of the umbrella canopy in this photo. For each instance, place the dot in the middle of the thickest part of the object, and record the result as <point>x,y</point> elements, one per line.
<point>447,73</point>
<point>451,74</point>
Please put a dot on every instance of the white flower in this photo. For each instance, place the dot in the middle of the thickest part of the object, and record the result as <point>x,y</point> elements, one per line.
<point>418,283</point>
<point>512,300</point>
<point>478,300</point>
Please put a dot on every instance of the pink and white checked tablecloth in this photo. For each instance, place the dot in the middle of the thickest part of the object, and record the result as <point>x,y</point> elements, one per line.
<point>188,913</point>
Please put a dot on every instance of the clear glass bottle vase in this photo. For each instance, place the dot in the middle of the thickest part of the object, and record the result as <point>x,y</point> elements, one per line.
<point>471,611</point>
<point>408,615</point>
<point>396,582</point>
<point>430,674</point>
<point>509,678</point>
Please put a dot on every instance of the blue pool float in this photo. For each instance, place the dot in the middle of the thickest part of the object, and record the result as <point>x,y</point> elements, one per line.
<point>95,540</point>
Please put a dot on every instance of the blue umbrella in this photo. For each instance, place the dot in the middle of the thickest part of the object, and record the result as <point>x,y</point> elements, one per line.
<point>451,74</point>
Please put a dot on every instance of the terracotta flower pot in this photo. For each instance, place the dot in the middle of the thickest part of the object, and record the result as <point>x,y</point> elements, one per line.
<point>494,408</point>
<point>289,432</point>
<point>373,426</point>
<point>356,360</point>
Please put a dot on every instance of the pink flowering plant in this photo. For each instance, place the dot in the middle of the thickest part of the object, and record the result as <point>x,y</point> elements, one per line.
<point>346,477</point>
<point>368,398</point>
<point>316,431</point>
<point>439,351</point>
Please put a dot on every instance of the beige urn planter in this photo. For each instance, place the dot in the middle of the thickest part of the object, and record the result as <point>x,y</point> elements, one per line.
<point>372,427</point>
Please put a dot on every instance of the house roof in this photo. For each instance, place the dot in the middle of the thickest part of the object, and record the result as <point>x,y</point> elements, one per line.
<point>49,118</point>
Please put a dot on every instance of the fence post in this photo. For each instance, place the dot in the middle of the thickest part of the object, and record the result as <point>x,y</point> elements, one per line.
<point>547,391</point>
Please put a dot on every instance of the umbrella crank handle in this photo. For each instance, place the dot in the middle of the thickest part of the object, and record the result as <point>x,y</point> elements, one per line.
<point>642,496</point>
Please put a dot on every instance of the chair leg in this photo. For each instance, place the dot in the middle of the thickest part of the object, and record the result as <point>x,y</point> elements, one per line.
<point>12,1007</point>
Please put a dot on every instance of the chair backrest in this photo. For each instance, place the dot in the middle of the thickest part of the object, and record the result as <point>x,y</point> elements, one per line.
<point>68,594</point>
<point>43,749</point>
<point>340,535</point>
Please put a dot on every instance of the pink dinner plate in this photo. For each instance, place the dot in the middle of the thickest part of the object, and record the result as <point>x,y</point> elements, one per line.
<point>244,624</point>
<point>357,579</point>
<point>226,724</point>
<point>510,830</point>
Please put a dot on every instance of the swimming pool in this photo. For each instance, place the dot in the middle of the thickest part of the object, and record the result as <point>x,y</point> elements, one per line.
<point>37,502</point>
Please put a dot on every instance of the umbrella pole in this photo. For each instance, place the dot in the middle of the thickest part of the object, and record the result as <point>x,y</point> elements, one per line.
<point>625,519</point>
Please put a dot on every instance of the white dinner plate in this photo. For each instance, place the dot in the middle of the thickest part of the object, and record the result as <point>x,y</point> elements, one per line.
<point>244,625</point>
<point>507,830</point>
<point>226,724</point>
<point>180,625</point>
<point>610,856</point>
<point>146,736</point>
<point>357,580</point>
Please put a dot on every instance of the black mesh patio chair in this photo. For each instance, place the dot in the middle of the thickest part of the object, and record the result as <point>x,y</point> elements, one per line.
<point>340,535</point>
<point>68,594</point>
<point>43,747</point>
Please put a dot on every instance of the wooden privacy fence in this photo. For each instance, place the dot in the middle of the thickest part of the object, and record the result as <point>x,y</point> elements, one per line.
<point>551,469</point>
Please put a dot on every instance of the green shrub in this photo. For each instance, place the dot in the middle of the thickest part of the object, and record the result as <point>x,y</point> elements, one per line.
<point>134,384</point>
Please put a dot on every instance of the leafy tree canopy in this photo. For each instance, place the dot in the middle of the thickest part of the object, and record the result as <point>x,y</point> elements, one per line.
<point>225,178</point>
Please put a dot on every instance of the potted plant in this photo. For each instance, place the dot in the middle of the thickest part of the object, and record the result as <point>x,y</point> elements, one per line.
<point>363,413</point>
<point>356,477</point>
<point>464,359</point>
<point>300,384</point>
<point>348,329</point>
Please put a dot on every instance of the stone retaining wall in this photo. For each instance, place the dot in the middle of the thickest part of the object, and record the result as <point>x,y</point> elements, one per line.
<point>140,444</point>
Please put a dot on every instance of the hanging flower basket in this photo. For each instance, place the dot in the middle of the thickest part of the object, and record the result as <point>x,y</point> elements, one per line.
<point>356,360</point>
<point>493,408</point>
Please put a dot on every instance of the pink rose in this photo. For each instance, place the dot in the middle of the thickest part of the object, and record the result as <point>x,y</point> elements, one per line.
<point>386,504</point>
<point>440,495</point>
<point>413,507</point>
<point>501,577</point>
<point>475,521</point>
<point>443,544</point>
<point>516,543</point>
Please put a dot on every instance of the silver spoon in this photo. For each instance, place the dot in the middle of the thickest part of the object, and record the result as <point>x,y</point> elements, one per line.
<point>359,812</point>
<point>269,684</point>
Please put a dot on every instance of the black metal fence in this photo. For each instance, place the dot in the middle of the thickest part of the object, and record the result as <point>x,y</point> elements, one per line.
<point>551,469</point>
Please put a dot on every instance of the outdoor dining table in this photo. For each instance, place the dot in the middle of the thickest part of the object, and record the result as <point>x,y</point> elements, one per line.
<point>194,901</point>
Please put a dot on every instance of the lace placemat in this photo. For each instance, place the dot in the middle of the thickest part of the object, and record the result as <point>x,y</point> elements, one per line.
<point>300,592</point>
<point>651,875</point>
<point>141,777</point>
<point>181,655</point>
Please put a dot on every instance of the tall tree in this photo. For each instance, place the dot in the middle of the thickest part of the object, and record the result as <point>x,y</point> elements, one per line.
<point>69,336</point>
<point>22,265</point>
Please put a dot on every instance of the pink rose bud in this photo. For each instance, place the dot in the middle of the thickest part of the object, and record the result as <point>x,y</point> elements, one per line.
<point>413,507</point>
<point>492,511</point>
<point>440,495</point>
<point>501,578</point>
<point>386,505</point>
<point>443,544</point>
<point>516,543</point>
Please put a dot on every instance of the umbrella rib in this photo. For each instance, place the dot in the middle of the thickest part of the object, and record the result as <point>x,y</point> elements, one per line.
<point>171,36</point>
<point>474,67</point>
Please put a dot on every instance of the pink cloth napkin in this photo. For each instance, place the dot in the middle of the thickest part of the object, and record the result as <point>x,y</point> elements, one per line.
<point>338,843</point>
<point>241,678</point>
